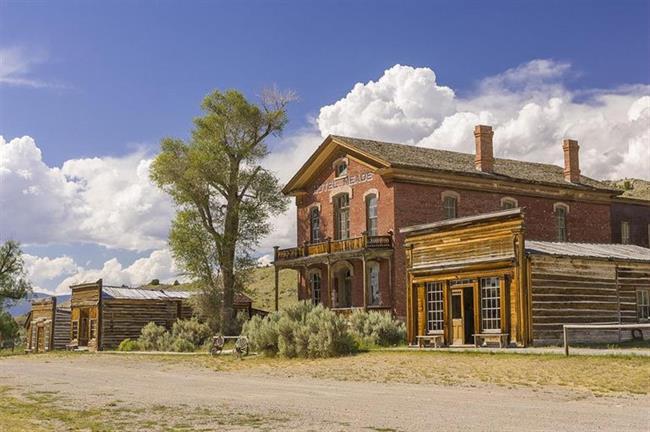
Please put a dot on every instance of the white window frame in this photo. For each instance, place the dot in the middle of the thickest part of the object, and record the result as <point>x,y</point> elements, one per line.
<point>342,227</point>
<point>490,304</point>
<point>314,234</point>
<point>435,307</point>
<point>315,286</point>
<point>625,232</point>
<point>450,197</point>
<point>562,227</point>
<point>338,163</point>
<point>372,218</point>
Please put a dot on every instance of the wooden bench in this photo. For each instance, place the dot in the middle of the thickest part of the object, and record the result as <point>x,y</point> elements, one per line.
<point>437,339</point>
<point>501,338</point>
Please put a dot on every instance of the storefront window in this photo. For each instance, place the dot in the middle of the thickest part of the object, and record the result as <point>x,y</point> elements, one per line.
<point>434,307</point>
<point>490,304</point>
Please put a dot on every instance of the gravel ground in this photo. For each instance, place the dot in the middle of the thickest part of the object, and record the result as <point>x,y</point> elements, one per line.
<point>299,403</point>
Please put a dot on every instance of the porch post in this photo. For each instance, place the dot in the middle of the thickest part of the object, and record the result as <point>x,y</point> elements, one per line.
<point>329,284</point>
<point>365,282</point>
<point>390,282</point>
<point>277,271</point>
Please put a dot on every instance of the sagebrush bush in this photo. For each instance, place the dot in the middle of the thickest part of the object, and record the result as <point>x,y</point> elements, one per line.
<point>192,331</point>
<point>129,345</point>
<point>302,330</point>
<point>154,338</point>
<point>182,345</point>
<point>376,328</point>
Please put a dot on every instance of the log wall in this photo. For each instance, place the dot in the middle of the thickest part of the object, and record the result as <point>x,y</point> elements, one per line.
<point>125,318</point>
<point>61,329</point>
<point>583,291</point>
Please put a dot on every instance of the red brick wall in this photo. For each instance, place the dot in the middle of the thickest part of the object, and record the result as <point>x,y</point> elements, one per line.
<point>638,217</point>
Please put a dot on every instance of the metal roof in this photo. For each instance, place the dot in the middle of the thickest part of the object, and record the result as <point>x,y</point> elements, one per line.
<point>591,250</point>
<point>141,294</point>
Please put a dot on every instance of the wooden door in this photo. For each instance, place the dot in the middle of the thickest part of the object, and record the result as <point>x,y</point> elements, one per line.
<point>40,339</point>
<point>83,327</point>
<point>457,318</point>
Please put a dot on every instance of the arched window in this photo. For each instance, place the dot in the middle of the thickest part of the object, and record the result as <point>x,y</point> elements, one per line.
<point>342,216</point>
<point>373,283</point>
<point>450,204</point>
<point>314,225</point>
<point>371,215</point>
<point>509,203</point>
<point>561,211</point>
<point>315,286</point>
<point>342,292</point>
<point>341,168</point>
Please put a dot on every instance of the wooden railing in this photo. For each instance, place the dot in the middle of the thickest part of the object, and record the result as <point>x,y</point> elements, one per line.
<point>333,246</point>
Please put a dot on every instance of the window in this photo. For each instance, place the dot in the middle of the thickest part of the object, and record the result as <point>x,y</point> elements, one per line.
<point>561,211</point>
<point>490,305</point>
<point>314,225</point>
<point>625,232</point>
<point>315,287</point>
<point>434,307</point>
<point>75,329</point>
<point>343,288</point>
<point>449,205</point>
<point>341,168</point>
<point>342,216</point>
<point>508,203</point>
<point>371,215</point>
<point>93,328</point>
<point>373,283</point>
<point>643,304</point>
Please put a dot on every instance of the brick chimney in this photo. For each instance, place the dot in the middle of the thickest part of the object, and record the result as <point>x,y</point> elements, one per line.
<point>571,161</point>
<point>484,154</point>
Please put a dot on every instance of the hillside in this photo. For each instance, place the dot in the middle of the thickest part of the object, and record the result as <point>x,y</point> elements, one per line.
<point>632,188</point>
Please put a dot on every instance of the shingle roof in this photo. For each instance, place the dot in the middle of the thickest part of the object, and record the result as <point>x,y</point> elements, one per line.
<point>408,156</point>
<point>590,250</point>
<point>141,294</point>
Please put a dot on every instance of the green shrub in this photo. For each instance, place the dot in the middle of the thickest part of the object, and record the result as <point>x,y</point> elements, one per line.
<point>302,330</point>
<point>376,328</point>
<point>192,331</point>
<point>129,345</point>
<point>182,345</point>
<point>155,338</point>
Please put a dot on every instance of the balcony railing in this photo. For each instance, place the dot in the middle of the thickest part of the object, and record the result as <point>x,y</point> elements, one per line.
<point>334,246</point>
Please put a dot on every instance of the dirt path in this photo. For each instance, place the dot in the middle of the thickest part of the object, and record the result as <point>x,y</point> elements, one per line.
<point>313,404</point>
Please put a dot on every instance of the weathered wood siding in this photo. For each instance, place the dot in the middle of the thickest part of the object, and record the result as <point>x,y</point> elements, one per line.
<point>41,320</point>
<point>583,291</point>
<point>61,328</point>
<point>124,318</point>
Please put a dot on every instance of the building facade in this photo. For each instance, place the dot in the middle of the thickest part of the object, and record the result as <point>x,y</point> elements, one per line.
<point>353,196</point>
<point>47,325</point>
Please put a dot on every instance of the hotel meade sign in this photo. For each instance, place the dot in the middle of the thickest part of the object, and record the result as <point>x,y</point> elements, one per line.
<point>350,180</point>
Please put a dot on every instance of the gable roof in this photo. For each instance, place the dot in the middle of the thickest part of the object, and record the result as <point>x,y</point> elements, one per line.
<point>409,156</point>
<point>392,155</point>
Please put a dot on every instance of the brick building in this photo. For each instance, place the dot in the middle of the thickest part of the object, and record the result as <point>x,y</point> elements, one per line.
<point>354,195</point>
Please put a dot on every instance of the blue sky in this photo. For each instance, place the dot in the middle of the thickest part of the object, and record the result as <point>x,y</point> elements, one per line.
<point>110,79</point>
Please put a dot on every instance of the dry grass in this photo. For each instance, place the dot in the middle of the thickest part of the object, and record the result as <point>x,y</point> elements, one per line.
<point>598,375</point>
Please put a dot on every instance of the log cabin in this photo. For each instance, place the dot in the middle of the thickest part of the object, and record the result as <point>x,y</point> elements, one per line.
<point>478,279</point>
<point>354,195</point>
<point>47,325</point>
<point>102,316</point>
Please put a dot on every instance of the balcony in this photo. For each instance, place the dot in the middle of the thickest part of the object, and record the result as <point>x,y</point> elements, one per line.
<point>335,246</point>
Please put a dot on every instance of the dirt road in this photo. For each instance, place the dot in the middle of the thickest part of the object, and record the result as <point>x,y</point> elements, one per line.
<point>312,404</point>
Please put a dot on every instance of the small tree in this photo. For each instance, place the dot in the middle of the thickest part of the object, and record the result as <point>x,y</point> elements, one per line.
<point>13,280</point>
<point>225,197</point>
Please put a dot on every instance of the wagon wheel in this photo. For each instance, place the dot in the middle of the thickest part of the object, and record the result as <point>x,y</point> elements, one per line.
<point>217,344</point>
<point>241,346</point>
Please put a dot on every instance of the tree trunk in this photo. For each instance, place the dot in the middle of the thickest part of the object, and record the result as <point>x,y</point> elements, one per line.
<point>230,236</point>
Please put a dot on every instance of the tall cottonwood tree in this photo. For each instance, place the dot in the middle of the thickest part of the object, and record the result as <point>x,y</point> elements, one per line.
<point>13,279</point>
<point>222,191</point>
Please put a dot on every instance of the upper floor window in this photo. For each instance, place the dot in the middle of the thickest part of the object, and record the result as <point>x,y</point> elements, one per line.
<point>508,203</point>
<point>449,207</point>
<point>314,225</point>
<point>342,216</point>
<point>625,232</point>
<point>371,215</point>
<point>561,212</point>
<point>341,168</point>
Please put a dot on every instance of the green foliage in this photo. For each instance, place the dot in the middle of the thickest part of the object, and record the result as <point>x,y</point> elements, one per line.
<point>302,330</point>
<point>13,279</point>
<point>129,345</point>
<point>225,197</point>
<point>155,338</point>
<point>182,345</point>
<point>376,328</point>
<point>191,331</point>
<point>9,329</point>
